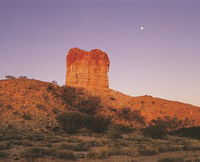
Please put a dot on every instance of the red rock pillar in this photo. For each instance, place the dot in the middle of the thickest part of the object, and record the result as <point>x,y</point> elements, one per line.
<point>87,69</point>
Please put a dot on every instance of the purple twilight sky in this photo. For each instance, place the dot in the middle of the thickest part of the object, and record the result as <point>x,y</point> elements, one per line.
<point>163,60</point>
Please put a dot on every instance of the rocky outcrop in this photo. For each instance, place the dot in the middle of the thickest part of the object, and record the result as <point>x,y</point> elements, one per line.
<point>87,69</point>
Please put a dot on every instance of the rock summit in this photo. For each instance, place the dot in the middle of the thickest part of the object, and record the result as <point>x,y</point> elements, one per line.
<point>87,69</point>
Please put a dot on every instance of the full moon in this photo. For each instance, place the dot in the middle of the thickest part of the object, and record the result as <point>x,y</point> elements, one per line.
<point>141,28</point>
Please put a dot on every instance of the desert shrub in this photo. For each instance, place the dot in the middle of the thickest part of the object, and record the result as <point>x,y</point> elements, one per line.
<point>5,146</point>
<point>69,95</point>
<point>9,77</point>
<point>41,107</point>
<point>124,113</point>
<point>190,146</point>
<point>127,114</point>
<point>193,132</point>
<point>35,137</point>
<point>98,123</point>
<point>3,155</point>
<point>160,127</point>
<point>123,129</point>
<point>33,153</point>
<point>116,130</point>
<point>37,152</point>
<point>113,132</point>
<point>167,147</point>
<point>9,107</point>
<point>171,159</point>
<point>54,82</point>
<point>90,105</point>
<point>167,123</point>
<point>22,77</point>
<point>71,122</point>
<point>112,98</point>
<point>50,88</point>
<point>26,116</point>
<point>97,155</point>
<point>154,132</point>
<point>67,155</point>
<point>10,133</point>
<point>147,150</point>
<point>73,147</point>
<point>111,151</point>
<point>56,111</point>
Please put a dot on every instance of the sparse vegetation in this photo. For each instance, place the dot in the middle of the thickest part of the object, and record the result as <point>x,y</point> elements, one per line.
<point>41,107</point>
<point>9,77</point>
<point>26,116</point>
<point>159,128</point>
<point>172,159</point>
<point>73,147</point>
<point>54,82</point>
<point>71,122</point>
<point>129,115</point>
<point>37,152</point>
<point>155,131</point>
<point>22,77</point>
<point>193,132</point>
<point>3,155</point>
<point>81,129</point>
<point>90,105</point>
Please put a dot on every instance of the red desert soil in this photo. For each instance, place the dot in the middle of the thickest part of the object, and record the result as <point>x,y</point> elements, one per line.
<point>29,103</point>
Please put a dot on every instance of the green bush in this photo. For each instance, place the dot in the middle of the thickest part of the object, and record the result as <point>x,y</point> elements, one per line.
<point>122,129</point>
<point>41,107</point>
<point>72,122</point>
<point>33,153</point>
<point>67,155</point>
<point>154,132</point>
<point>160,127</point>
<point>167,123</point>
<point>193,132</point>
<point>98,123</point>
<point>3,155</point>
<point>147,152</point>
<point>9,77</point>
<point>26,116</point>
<point>90,105</point>
<point>69,95</point>
<point>73,147</point>
<point>172,159</point>
<point>113,132</point>
<point>10,133</point>
<point>22,77</point>
<point>130,115</point>
<point>37,152</point>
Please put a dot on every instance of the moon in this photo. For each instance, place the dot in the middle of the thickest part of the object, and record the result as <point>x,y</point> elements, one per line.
<point>141,28</point>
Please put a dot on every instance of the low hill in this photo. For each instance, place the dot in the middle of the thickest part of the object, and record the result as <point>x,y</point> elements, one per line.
<point>33,104</point>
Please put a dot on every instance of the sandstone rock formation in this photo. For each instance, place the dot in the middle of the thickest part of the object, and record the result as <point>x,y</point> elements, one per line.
<point>87,69</point>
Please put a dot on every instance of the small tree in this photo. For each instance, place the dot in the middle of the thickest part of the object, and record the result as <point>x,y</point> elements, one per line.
<point>127,114</point>
<point>160,127</point>
<point>71,122</point>
<point>22,77</point>
<point>9,77</point>
<point>54,82</point>
<point>98,123</point>
<point>90,105</point>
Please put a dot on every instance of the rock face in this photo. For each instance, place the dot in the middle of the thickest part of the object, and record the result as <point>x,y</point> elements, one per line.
<point>87,69</point>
